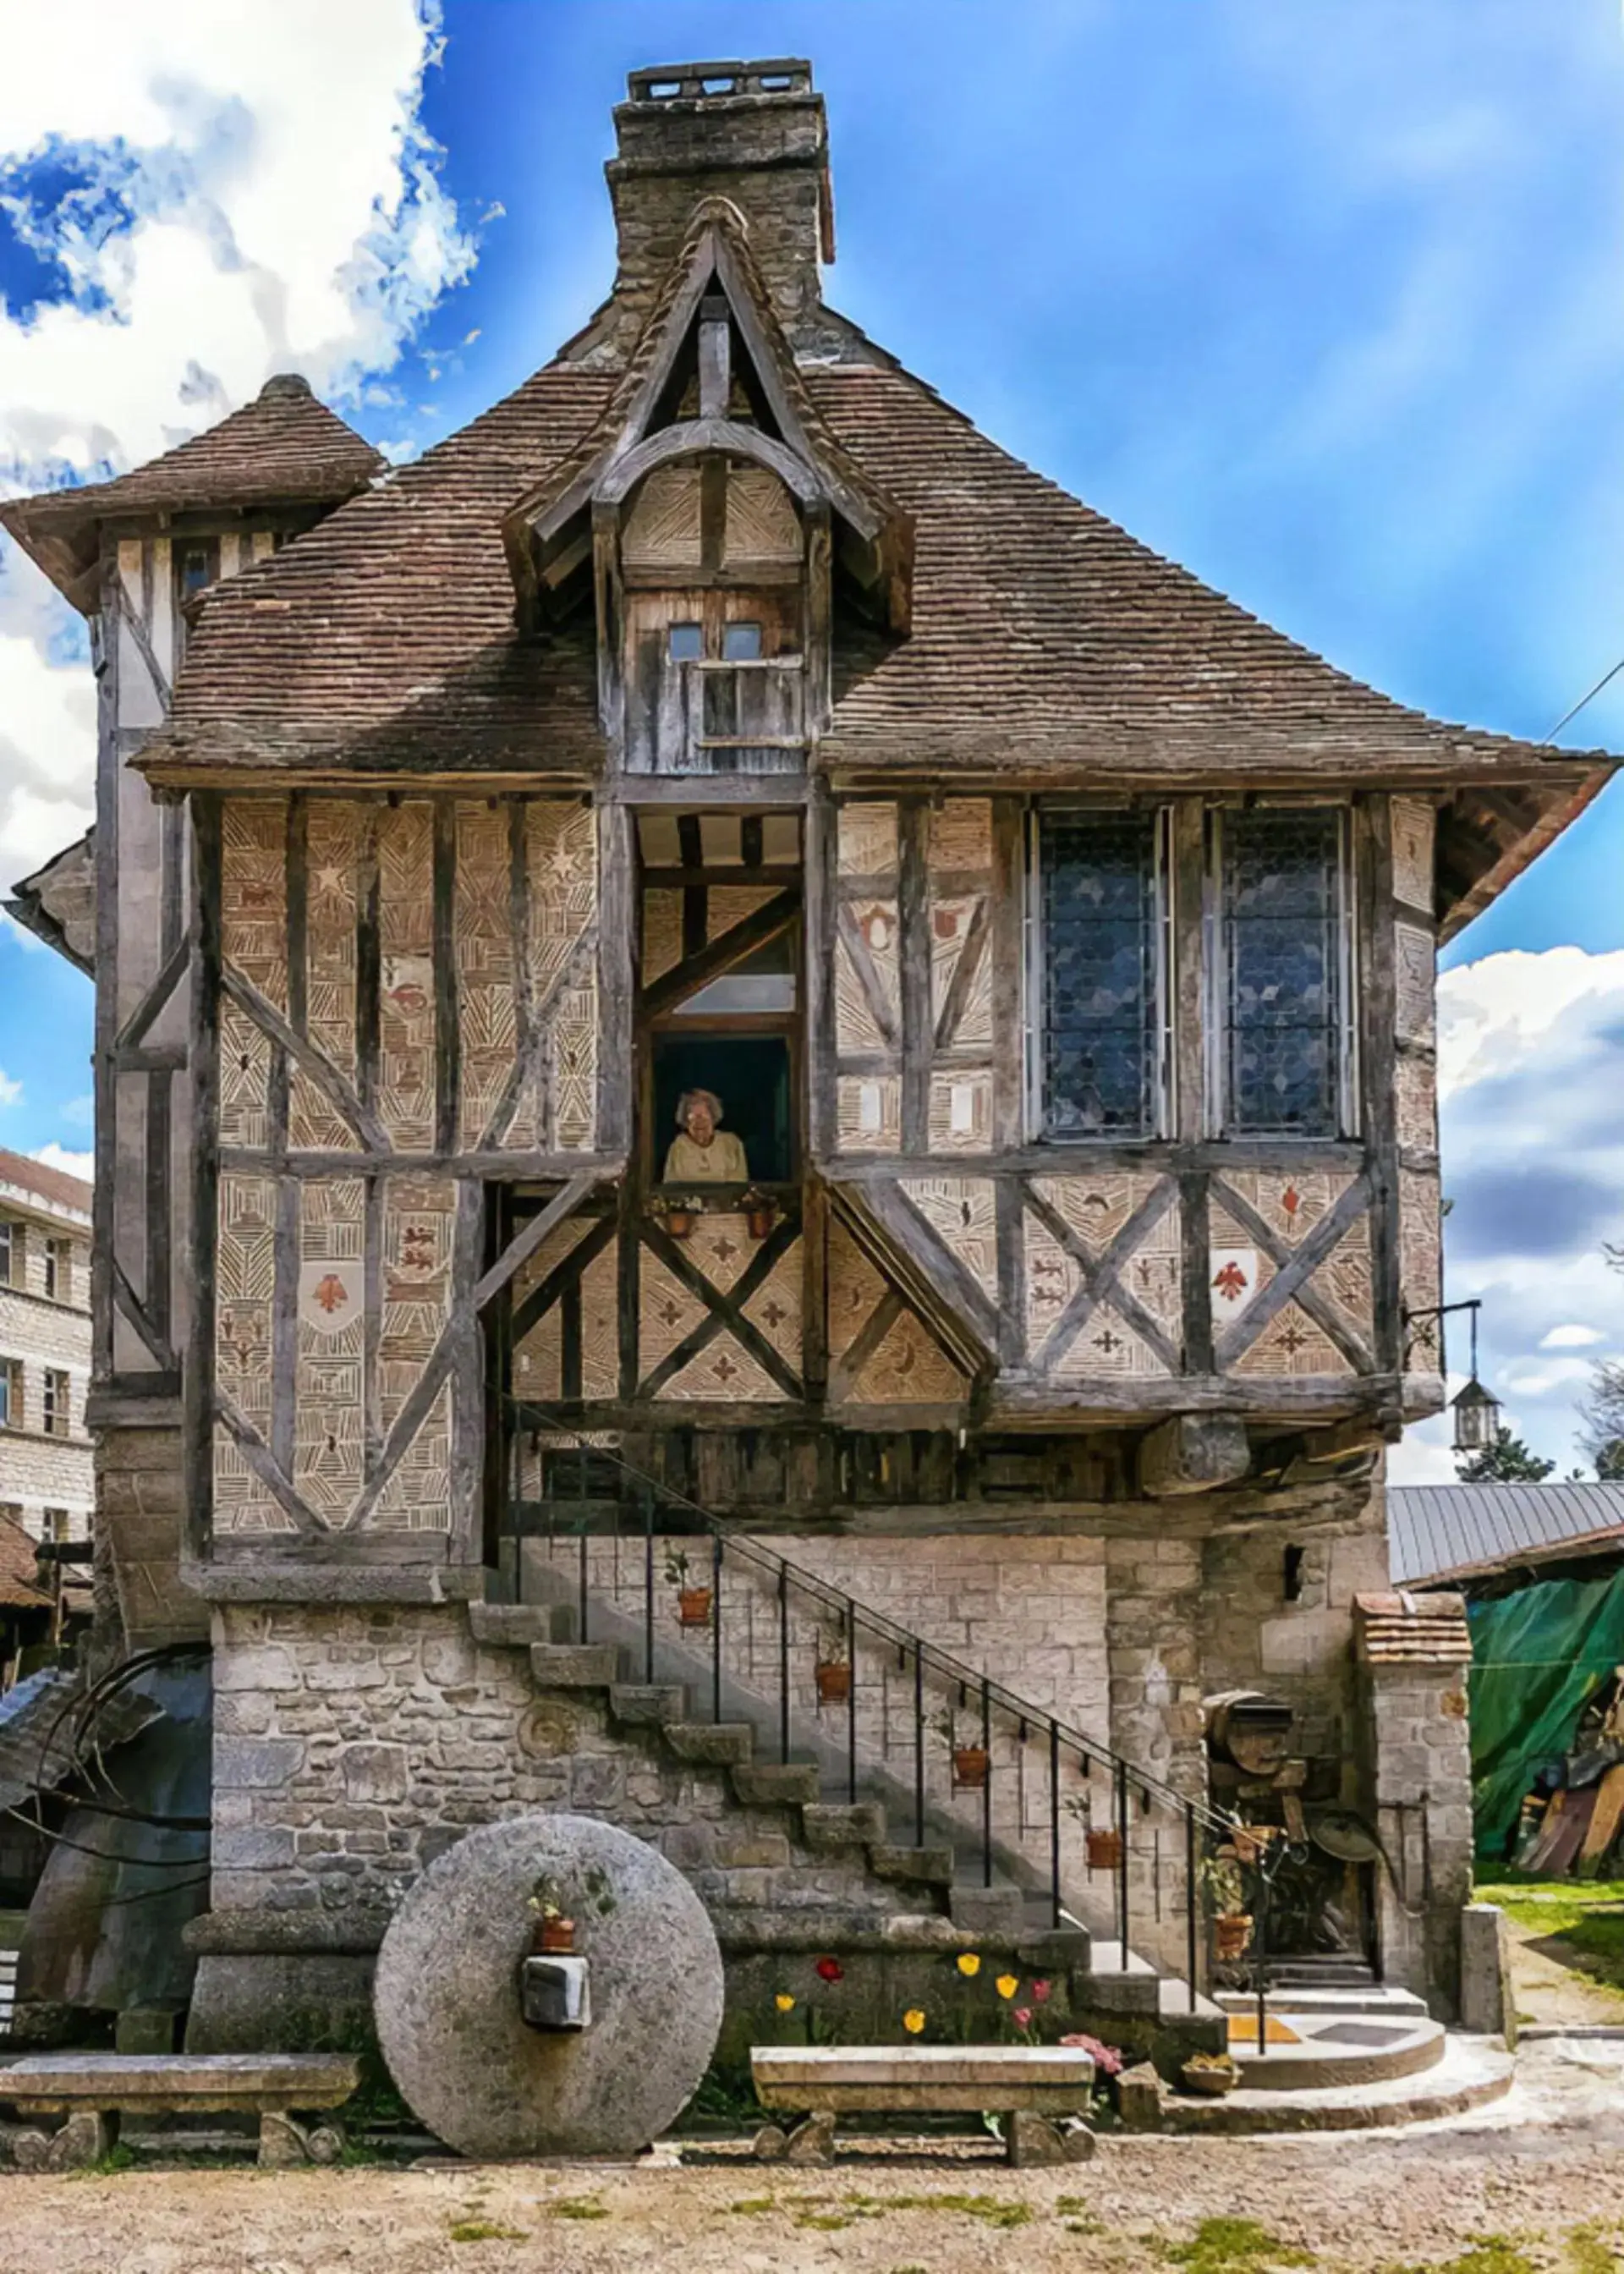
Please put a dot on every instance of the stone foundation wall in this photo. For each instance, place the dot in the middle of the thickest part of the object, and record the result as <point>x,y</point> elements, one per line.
<point>139,1498</point>
<point>353,1747</point>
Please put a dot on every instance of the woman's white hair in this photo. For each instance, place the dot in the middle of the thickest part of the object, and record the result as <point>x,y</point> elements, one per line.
<point>690,1099</point>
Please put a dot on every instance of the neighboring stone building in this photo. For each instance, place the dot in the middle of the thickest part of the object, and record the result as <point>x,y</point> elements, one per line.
<point>47,1480</point>
<point>722,718</point>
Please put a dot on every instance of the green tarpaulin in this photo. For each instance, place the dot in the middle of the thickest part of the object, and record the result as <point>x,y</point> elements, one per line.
<point>1537,1656</point>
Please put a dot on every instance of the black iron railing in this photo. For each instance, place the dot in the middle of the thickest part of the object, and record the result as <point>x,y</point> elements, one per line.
<point>1049,1807</point>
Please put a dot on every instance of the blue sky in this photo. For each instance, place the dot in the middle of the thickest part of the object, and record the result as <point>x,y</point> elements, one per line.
<point>1325,301</point>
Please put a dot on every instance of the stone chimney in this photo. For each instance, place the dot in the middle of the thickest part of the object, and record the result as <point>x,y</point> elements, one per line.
<point>753,133</point>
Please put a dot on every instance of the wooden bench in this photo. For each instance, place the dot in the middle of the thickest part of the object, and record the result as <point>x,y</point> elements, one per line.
<point>1042,2091</point>
<point>92,2090</point>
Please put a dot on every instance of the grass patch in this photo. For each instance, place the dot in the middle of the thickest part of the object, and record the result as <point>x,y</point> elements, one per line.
<point>824,2221</point>
<point>753,2206</point>
<point>993,2210</point>
<point>1581,1920</point>
<point>1586,2253</point>
<point>117,2158</point>
<point>1486,2253</point>
<point>576,2207</point>
<point>1234,2245</point>
<point>485,2230</point>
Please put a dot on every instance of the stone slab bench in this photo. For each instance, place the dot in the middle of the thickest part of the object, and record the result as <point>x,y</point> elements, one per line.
<point>94,2089</point>
<point>1042,2091</point>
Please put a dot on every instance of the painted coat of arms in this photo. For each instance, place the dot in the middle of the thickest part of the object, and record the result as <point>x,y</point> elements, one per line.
<point>330,1296</point>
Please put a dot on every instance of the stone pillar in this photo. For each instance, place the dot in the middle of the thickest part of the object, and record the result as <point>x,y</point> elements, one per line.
<point>1153,1644</point>
<point>1413,1654</point>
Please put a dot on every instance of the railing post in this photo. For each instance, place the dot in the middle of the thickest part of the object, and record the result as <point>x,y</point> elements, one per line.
<point>985,1785</point>
<point>851,1702</point>
<point>648,1584</point>
<point>1122,1859</point>
<point>919,1744</point>
<point>1261,1947</point>
<point>1053,1822</point>
<point>715,1626</point>
<point>1190,1899</point>
<point>783,1661</point>
<point>580,1520</point>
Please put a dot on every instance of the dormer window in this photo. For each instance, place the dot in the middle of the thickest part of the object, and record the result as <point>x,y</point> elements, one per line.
<point>194,569</point>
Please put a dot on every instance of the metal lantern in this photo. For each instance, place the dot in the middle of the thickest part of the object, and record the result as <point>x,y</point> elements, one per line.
<point>1476,1418</point>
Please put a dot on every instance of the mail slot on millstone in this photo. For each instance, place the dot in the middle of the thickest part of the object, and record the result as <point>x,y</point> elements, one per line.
<point>556,1993</point>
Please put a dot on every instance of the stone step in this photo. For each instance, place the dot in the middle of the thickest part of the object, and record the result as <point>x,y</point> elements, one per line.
<point>516,1625</point>
<point>717,1745</point>
<point>830,1824</point>
<point>576,1664</point>
<point>776,1784</point>
<point>646,1703</point>
<point>932,1865</point>
<point>998,1911</point>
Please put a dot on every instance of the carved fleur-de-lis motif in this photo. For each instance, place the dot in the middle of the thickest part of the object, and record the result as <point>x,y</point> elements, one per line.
<point>775,1314</point>
<point>1292,1338</point>
<point>725,1369</point>
<point>1108,1342</point>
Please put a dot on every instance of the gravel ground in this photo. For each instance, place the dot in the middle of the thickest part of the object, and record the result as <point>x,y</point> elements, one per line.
<point>1536,2183</point>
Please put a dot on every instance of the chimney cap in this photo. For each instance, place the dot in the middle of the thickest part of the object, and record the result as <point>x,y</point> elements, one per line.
<point>284,383</point>
<point>780,78</point>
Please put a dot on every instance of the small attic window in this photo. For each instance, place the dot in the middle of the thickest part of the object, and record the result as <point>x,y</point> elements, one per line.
<point>686,643</point>
<point>194,569</point>
<point>742,642</point>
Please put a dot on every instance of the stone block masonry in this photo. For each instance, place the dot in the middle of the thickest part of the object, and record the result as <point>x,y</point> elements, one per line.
<point>353,1747</point>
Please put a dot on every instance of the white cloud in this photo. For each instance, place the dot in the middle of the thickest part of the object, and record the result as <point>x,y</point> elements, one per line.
<point>80,1112</point>
<point>1531,1066</point>
<point>11,1092</point>
<point>274,204</point>
<point>72,1164</point>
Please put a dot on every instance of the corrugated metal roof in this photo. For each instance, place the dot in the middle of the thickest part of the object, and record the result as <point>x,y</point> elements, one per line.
<point>1435,1532</point>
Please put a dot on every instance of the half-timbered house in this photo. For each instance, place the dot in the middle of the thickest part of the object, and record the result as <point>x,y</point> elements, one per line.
<point>736,1040</point>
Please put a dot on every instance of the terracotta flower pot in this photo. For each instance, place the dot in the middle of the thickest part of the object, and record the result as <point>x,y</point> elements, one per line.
<point>970,1767</point>
<point>693,1607</point>
<point>834,1683</point>
<point>1231,1933</point>
<point>1104,1851</point>
<point>761,1221</point>
<point>678,1223</point>
<point>554,1938</point>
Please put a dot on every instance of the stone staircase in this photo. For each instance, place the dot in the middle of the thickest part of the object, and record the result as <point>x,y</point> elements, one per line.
<point>856,1848</point>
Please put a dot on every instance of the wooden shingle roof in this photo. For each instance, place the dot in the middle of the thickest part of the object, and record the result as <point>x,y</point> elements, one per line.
<point>285,447</point>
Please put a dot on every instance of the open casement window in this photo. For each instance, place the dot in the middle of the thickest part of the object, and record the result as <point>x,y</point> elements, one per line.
<point>1284,977</point>
<point>11,1393</point>
<point>10,1253</point>
<point>1100,969</point>
<point>55,1412</point>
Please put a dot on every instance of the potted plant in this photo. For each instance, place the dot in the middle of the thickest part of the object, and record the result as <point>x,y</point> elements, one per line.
<point>693,1603</point>
<point>553,1935</point>
<point>761,1212</point>
<point>1220,1879</point>
<point>971,1762</point>
<point>681,1212</point>
<point>1101,1846</point>
<point>1213,2073</point>
<point>833,1672</point>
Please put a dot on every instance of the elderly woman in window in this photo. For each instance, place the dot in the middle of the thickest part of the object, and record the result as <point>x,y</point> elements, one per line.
<point>704,1152</point>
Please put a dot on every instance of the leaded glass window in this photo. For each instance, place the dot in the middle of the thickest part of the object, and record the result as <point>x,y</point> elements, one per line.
<point>1102,974</point>
<point>1282,981</point>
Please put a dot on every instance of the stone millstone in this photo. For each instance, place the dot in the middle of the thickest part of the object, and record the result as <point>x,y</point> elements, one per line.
<point>447,1993</point>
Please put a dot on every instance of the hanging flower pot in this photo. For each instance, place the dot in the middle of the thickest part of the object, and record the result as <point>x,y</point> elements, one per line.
<point>693,1607</point>
<point>761,1213</point>
<point>834,1682</point>
<point>678,1223</point>
<point>1231,1933</point>
<point>553,1937</point>
<point>970,1765</point>
<point>1104,1851</point>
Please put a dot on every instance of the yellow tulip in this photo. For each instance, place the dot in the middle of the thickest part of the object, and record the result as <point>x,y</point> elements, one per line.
<point>969,1964</point>
<point>784,2003</point>
<point>913,2020</point>
<point>1007,1985</point>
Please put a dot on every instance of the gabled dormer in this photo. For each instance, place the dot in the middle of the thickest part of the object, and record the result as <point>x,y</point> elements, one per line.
<point>716,528</point>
